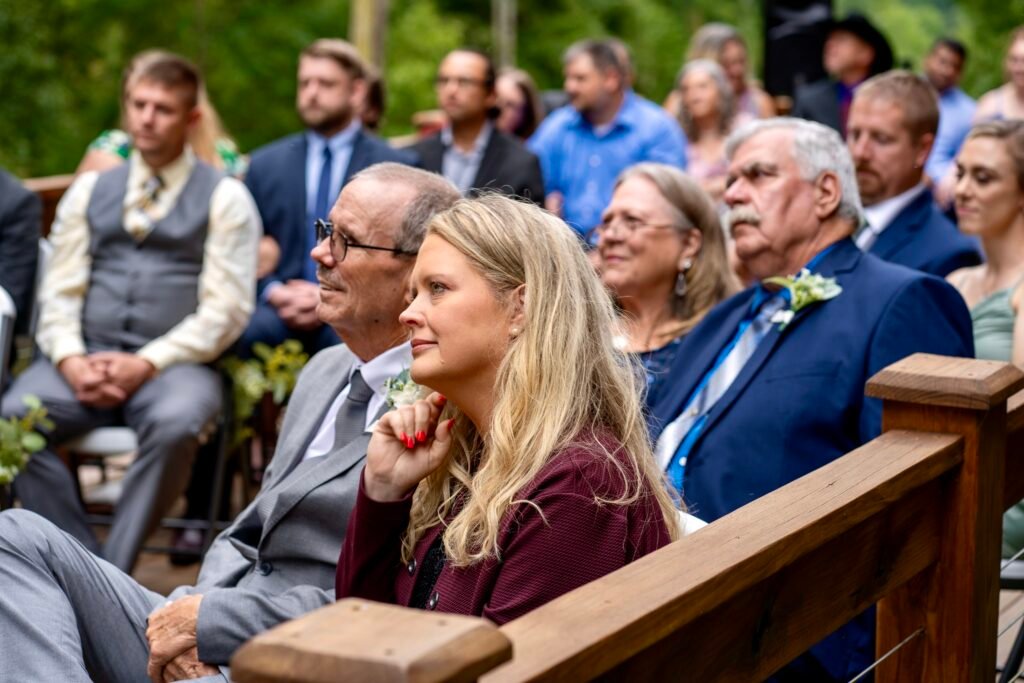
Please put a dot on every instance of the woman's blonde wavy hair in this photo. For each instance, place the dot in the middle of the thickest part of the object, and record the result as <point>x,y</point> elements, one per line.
<point>561,380</point>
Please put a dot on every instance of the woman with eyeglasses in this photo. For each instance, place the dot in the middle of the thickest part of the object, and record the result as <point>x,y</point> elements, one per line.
<point>661,252</point>
<point>522,476</point>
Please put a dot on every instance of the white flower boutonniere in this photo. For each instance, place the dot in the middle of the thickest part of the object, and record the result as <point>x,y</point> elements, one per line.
<point>804,289</point>
<point>402,391</point>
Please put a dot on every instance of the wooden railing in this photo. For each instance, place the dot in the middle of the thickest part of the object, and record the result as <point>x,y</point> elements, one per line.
<point>910,521</point>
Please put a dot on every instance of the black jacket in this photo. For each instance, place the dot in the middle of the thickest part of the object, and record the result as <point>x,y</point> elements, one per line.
<point>20,211</point>
<point>507,166</point>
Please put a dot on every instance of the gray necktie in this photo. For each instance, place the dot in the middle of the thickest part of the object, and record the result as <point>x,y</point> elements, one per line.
<point>719,382</point>
<point>350,421</point>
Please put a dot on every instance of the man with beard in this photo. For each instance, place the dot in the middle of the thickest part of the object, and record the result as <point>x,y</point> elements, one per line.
<point>763,393</point>
<point>605,129</point>
<point>295,181</point>
<point>470,151</point>
<point>892,125</point>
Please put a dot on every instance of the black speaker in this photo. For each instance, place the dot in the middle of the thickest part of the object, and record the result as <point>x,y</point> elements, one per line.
<point>795,32</point>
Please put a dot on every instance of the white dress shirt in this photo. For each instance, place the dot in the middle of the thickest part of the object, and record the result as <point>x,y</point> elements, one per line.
<point>227,281</point>
<point>375,372</point>
<point>880,215</point>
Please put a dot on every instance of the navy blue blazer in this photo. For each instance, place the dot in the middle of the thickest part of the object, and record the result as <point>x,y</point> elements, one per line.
<point>799,402</point>
<point>922,238</point>
<point>277,181</point>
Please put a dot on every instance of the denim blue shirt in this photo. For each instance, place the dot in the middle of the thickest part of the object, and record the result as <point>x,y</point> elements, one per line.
<point>956,110</point>
<point>582,164</point>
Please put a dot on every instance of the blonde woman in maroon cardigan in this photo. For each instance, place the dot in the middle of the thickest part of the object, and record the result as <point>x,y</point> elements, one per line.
<point>529,471</point>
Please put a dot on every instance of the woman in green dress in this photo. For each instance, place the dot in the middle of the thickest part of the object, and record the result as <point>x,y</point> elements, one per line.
<point>990,204</point>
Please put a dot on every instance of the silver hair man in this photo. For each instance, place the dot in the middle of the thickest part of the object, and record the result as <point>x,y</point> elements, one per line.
<point>817,149</point>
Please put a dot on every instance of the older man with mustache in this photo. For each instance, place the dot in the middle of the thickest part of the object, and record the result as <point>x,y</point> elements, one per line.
<point>767,390</point>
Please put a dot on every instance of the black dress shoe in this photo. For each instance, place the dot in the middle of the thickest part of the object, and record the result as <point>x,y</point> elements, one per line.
<point>188,547</point>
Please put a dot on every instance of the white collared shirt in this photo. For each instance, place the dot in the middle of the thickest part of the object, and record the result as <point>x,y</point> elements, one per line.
<point>375,372</point>
<point>227,282</point>
<point>880,215</point>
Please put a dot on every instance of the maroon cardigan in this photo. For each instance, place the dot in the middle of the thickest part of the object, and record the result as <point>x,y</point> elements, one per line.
<point>579,542</point>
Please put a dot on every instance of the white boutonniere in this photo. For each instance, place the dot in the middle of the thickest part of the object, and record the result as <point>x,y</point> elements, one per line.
<point>402,391</point>
<point>804,289</point>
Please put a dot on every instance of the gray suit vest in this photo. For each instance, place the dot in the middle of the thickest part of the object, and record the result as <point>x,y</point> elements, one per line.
<point>140,290</point>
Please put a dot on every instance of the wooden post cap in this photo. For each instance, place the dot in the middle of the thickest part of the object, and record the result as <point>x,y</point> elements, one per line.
<point>359,640</point>
<point>945,381</point>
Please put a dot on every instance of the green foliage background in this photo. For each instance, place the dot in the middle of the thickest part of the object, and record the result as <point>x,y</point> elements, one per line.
<point>61,60</point>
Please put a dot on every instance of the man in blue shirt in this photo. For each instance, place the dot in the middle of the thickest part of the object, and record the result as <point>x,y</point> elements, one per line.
<point>943,67</point>
<point>604,129</point>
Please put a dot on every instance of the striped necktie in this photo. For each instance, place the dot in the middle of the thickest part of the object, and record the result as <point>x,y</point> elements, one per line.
<point>715,384</point>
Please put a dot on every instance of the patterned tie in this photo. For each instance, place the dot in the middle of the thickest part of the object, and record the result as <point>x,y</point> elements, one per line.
<point>717,383</point>
<point>141,221</point>
<point>350,421</point>
<point>320,209</point>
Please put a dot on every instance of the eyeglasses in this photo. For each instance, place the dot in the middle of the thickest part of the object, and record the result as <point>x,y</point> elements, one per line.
<point>462,82</point>
<point>630,225</point>
<point>340,244</point>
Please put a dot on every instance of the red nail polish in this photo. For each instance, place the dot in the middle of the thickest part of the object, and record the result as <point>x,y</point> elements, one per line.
<point>402,437</point>
<point>451,422</point>
<point>421,436</point>
<point>411,443</point>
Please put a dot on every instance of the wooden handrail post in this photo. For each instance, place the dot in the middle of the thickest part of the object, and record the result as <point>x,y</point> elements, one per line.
<point>956,601</point>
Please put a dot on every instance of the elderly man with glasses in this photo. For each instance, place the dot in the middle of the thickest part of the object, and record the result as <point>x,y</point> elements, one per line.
<point>66,615</point>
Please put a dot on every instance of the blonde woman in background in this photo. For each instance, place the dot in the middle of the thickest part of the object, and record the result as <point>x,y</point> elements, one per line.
<point>526,475</point>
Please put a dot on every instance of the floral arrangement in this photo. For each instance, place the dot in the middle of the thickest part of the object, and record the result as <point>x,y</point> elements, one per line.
<point>273,370</point>
<point>804,289</point>
<point>19,438</point>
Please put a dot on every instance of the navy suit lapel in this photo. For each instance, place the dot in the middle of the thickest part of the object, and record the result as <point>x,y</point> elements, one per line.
<point>691,364</point>
<point>360,158</point>
<point>842,259</point>
<point>904,226</point>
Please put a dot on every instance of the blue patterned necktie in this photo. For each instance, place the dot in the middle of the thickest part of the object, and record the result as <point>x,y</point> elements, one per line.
<point>321,208</point>
<point>713,388</point>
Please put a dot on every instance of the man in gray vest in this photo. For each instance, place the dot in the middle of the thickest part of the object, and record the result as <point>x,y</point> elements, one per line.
<point>67,615</point>
<point>152,277</point>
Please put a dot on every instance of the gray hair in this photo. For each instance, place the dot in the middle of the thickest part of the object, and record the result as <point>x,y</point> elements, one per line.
<point>816,149</point>
<point>607,55</point>
<point>710,40</point>
<point>434,194</point>
<point>726,96</point>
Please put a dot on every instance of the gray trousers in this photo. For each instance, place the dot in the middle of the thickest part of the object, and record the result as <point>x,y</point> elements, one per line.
<point>167,414</point>
<point>65,614</point>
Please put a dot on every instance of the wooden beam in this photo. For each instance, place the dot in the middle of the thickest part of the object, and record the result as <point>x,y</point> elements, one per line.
<point>741,573</point>
<point>359,640</point>
<point>958,599</point>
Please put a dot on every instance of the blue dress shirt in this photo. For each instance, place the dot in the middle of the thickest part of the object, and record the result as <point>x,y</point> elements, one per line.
<point>956,111</point>
<point>341,151</point>
<point>582,163</point>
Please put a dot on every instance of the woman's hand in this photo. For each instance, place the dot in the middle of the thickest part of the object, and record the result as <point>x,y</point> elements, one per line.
<point>407,445</point>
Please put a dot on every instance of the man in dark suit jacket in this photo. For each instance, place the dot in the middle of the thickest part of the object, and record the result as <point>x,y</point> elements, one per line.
<point>763,393</point>
<point>295,180</point>
<point>20,212</point>
<point>893,121</point>
<point>470,151</point>
<point>854,50</point>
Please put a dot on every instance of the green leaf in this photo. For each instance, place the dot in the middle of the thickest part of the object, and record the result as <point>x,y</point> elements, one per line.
<point>33,442</point>
<point>32,401</point>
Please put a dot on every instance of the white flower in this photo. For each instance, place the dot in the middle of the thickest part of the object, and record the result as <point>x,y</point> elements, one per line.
<point>783,317</point>
<point>804,289</point>
<point>402,391</point>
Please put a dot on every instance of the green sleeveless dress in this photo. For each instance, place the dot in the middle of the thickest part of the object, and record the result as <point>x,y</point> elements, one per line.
<point>993,320</point>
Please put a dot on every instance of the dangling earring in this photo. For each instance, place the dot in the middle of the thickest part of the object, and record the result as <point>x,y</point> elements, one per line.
<point>680,288</point>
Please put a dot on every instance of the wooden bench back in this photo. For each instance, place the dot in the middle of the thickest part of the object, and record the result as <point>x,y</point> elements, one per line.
<point>910,521</point>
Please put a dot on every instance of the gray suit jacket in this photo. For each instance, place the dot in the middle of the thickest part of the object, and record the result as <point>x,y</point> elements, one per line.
<point>277,560</point>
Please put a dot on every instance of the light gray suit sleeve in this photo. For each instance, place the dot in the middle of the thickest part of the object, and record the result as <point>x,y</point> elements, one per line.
<point>230,616</point>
